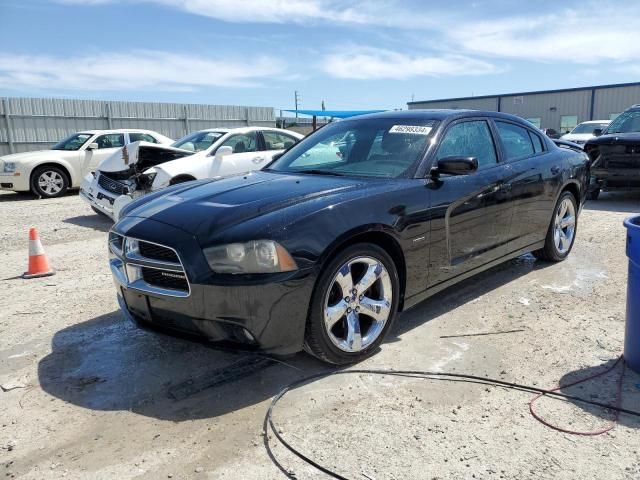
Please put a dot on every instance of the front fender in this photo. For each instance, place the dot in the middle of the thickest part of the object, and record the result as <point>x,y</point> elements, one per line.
<point>75,176</point>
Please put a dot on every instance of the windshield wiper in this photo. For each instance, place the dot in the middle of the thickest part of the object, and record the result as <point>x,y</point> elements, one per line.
<point>315,171</point>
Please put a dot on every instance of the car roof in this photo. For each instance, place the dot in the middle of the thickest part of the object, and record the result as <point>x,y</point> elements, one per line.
<point>119,130</point>
<point>245,129</point>
<point>596,121</point>
<point>438,114</point>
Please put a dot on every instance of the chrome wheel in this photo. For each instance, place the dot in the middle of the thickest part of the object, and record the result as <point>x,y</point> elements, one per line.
<point>564,226</point>
<point>358,304</point>
<point>51,182</point>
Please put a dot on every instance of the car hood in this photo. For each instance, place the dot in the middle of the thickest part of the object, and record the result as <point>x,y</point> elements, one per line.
<point>215,205</point>
<point>616,139</point>
<point>142,154</point>
<point>572,137</point>
<point>28,156</point>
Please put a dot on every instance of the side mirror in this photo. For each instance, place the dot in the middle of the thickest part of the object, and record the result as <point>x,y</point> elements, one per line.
<point>277,156</point>
<point>223,152</point>
<point>597,132</point>
<point>93,146</point>
<point>455,166</point>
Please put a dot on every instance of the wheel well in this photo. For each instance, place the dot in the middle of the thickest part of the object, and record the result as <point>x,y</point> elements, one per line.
<point>389,245</point>
<point>51,164</point>
<point>181,178</point>
<point>573,189</point>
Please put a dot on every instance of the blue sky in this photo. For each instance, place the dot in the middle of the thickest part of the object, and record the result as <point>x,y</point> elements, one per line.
<point>353,54</point>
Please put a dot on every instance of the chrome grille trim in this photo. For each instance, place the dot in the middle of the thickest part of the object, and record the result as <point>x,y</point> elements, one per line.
<point>127,264</point>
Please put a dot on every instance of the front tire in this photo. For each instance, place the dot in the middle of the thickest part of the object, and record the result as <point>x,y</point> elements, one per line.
<point>353,306</point>
<point>49,182</point>
<point>562,231</point>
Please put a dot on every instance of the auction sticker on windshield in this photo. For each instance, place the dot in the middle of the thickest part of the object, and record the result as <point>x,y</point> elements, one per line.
<point>414,129</point>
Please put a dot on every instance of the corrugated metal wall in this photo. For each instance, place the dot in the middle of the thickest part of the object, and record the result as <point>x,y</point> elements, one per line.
<point>614,100</point>
<point>485,103</point>
<point>549,107</point>
<point>35,123</point>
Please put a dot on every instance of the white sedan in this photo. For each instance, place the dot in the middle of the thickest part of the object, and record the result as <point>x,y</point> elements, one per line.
<point>141,168</point>
<point>49,173</point>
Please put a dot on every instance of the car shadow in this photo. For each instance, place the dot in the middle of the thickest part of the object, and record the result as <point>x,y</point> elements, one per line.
<point>110,364</point>
<point>6,196</point>
<point>94,221</point>
<point>107,363</point>
<point>615,202</point>
<point>604,389</point>
<point>464,292</point>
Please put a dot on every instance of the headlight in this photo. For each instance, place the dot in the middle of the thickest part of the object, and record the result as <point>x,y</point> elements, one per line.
<point>9,167</point>
<point>258,256</point>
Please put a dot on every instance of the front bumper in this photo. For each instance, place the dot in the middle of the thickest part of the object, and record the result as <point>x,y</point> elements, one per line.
<point>17,181</point>
<point>615,178</point>
<point>96,196</point>
<point>266,313</point>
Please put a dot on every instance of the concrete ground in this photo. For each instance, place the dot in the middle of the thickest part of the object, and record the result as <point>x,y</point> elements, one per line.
<point>87,395</point>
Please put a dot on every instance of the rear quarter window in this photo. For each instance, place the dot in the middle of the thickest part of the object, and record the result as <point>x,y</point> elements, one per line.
<point>516,141</point>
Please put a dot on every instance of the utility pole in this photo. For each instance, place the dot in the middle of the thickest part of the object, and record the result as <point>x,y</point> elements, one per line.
<point>296,100</point>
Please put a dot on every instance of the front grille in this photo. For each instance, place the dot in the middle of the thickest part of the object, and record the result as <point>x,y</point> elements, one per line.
<point>111,185</point>
<point>165,279</point>
<point>157,252</point>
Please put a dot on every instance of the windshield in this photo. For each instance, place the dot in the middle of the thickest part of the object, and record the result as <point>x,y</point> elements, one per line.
<point>386,148</point>
<point>626,122</point>
<point>589,127</point>
<point>74,142</point>
<point>196,142</point>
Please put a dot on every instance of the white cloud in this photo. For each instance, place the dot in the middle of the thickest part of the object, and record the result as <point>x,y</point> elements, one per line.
<point>368,63</point>
<point>359,12</point>
<point>136,70</point>
<point>592,33</point>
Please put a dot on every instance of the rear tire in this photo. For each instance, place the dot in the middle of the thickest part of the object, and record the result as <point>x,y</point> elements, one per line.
<point>562,231</point>
<point>354,305</point>
<point>49,182</point>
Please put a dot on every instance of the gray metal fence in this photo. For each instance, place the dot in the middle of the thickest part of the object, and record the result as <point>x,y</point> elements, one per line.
<point>36,123</point>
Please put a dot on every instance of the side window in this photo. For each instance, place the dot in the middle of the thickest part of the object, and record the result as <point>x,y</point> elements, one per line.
<point>141,137</point>
<point>111,140</point>
<point>537,142</point>
<point>516,140</point>
<point>241,143</point>
<point>277,140</point>
<point>469,139</point>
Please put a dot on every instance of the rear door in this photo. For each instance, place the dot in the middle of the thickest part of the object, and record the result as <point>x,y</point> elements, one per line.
<point>536,176</point>
<point>275,142</point>
<point>471,214</point>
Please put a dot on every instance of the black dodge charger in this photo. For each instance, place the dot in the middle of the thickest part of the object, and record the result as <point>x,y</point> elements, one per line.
<point>360,220</point>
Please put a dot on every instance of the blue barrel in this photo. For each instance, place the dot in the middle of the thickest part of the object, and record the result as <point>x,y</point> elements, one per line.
<point>632,330</point>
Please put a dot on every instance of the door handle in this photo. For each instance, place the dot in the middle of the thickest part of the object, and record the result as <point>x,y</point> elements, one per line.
<point>257,159</point>
<point>555,169</point>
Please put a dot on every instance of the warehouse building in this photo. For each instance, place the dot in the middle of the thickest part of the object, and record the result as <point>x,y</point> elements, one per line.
<point>558,109</point>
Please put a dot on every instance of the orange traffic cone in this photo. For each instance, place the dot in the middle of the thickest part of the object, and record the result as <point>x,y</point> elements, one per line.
<point>38,263</point>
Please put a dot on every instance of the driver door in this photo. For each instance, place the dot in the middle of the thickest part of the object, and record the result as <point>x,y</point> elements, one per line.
<point>471,214</point>
<point>245,155</point>
<point>108,144</point>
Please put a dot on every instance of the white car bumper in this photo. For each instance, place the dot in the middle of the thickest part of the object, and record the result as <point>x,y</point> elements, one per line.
<point>96,196</point>
<point>17,181</point>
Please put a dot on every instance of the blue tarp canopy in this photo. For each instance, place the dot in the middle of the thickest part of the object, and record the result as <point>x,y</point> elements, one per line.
<point>333,113</point>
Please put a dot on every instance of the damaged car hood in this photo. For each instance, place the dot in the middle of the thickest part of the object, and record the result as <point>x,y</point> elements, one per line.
<point>212,206</point>
<point>143,155</point>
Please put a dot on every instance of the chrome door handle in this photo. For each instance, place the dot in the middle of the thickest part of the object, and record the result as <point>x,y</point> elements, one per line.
<point>257,159</point>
